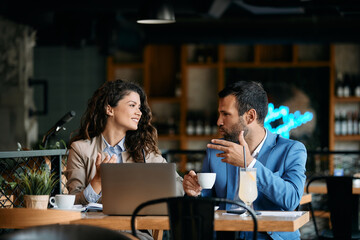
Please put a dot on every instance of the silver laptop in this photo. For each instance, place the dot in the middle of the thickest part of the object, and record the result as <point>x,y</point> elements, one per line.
<point>126,185</point>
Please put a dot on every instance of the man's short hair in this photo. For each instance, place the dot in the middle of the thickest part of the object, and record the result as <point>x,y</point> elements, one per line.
<point>249,94</point>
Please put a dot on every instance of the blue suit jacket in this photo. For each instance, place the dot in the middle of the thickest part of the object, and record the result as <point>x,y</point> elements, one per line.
<point>280,177</point>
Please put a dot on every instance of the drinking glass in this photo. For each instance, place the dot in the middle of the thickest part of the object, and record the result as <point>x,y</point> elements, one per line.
<point>247,187</point>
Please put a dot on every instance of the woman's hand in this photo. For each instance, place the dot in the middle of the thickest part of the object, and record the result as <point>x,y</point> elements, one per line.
<point>96,181</point>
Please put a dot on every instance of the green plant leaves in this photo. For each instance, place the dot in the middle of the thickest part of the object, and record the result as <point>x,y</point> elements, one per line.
<point>37,181</point>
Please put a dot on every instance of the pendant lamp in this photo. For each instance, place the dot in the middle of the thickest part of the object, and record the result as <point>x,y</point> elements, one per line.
<point>156,12</point>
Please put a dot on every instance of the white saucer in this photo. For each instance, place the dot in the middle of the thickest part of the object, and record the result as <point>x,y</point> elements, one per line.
<point>77,208</point>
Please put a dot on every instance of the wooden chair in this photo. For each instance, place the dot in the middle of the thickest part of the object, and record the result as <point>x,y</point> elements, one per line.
<point>343,208</point>
<point>191,217</point>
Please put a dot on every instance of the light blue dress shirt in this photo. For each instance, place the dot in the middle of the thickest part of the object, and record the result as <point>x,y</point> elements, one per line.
<point>89,193</point>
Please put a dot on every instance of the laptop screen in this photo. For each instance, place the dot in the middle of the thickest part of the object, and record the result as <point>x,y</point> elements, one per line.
<point>126,185</point>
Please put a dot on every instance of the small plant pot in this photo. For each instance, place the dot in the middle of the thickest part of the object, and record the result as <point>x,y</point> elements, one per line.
<point>6,201</point>
<point>36,201</point>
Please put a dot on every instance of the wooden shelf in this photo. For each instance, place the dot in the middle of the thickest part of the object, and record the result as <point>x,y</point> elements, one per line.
<point>275,64</point>
<point>348,138</point>
<point>202,65</point>
<point>347,99</point>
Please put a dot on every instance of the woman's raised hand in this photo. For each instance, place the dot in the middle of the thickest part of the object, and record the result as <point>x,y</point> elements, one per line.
<point>96,181</point>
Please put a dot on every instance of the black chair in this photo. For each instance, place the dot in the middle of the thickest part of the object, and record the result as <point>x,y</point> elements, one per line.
<point>66,232</point>
<point>191,217</point>
<point>343,208</point>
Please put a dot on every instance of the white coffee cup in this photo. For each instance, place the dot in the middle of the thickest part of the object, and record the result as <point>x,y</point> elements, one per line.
<point>206,180</point>
<point>62,201</point>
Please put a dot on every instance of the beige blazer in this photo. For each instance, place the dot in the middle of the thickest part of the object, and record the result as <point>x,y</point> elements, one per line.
<point>81,168</point>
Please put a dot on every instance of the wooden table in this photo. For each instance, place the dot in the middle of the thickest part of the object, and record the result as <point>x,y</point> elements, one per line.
<point>23,217</point>
<point>306,198</point>
<point>15,218</point>
<point>320,187</point>
<point>222,222</point>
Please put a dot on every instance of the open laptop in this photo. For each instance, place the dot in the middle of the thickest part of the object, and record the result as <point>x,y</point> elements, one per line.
<point>126,185</point>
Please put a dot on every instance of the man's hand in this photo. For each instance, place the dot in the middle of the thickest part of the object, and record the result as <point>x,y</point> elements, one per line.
<point>191,185</point>
<point>232,153</point>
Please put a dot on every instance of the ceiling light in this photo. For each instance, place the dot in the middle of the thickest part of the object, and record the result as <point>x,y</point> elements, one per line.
<point>156,12</point>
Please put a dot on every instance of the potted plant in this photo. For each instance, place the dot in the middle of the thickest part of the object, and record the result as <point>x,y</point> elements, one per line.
<point>6,196</point>
<point>36,185</point>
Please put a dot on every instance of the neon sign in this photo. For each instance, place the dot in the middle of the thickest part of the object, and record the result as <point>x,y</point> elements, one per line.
<point>290,120</point>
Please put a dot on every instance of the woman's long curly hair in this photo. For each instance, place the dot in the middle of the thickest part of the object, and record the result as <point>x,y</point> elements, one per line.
<point>94,120</point>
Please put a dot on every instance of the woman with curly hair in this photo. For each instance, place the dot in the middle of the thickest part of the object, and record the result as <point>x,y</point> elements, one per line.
<point>116,128</point>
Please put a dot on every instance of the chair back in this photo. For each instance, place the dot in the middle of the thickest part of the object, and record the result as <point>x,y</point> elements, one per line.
<point>191,217</point>
<point>341,202</point>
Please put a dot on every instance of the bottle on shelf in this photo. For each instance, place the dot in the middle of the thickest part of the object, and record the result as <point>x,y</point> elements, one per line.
<point>350,125</point>
<point>358,122</point>
<point>190,128</point>
<point>355,123</point>
<point>337,123</point>
<point>357,87</point>
<point>339,85</point>
<point>199,129</point>
<point>343,123</point>
<point>207,128</point>
<point>347,85</point>
<point>352,84</point>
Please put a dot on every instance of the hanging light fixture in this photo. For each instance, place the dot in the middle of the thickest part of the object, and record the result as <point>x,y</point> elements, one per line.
<point>156,12</point>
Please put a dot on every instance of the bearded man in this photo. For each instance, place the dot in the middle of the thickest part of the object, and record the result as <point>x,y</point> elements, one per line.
<point>280,162</point>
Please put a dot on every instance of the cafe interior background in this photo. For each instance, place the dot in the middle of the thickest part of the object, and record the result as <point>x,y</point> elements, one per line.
<point>305,53</point>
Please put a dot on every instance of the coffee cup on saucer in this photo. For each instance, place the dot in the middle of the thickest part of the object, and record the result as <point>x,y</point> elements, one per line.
<point>62,201</point>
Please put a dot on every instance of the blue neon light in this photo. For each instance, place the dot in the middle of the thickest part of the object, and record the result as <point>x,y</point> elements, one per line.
<point>290,120</point>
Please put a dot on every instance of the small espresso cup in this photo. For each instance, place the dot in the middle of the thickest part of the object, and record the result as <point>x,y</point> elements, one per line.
<point>206,180</point>
<point>62,201</point>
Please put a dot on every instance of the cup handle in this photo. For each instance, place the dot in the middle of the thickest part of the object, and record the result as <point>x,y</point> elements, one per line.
<point>52,201</point>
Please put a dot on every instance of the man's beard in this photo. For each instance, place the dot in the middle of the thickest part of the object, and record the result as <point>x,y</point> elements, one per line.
<point>234,132</point>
